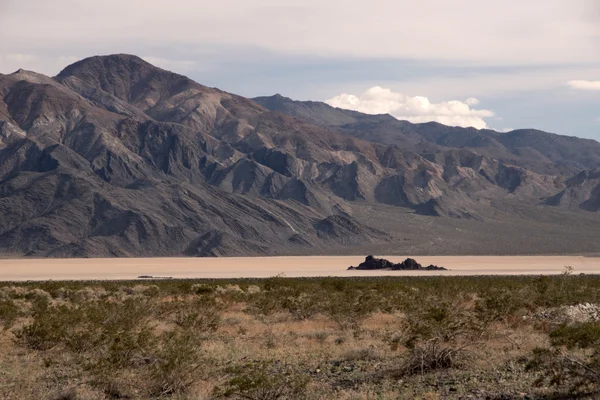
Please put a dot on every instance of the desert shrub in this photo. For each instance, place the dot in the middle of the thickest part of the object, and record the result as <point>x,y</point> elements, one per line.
<point>320,337</point>
<point>438,336</point>
<point>107,323</point>
<point>83,326</point>
<point>69,394</point>
<point>175,365</point>
<point>564,289</point>
<point>36,293</point>
<point>86,294</point>
<point>361,354</point>
<point>275,283</point>
<point>276,299</point>
<point>497,304</point>
<point>573,361</point>
<point>349,308</point>
<point>66,293</point>
<point>262,381</point>
<point>270,339</point>
<point>144,340</point>
<point>9,312</point>
<point>12,292</point>
<point>48,328</point>
<point>447,321</point>
<point>253,289</point>
<point>340,340</point>
<point>338,285</point>
<point>116,388</point>
<point>229,289</point>
<point>200,315</point>
<point>202,288</point>
<point>130,348</point>
<point>302,306</point>
<point>576,373</point>
<point>583,335</point>
<point>432,355</point>
<point>264,304</point>
<point>146,290</point>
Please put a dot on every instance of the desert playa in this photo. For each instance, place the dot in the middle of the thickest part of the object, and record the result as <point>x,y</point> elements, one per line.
<point>260,267</point>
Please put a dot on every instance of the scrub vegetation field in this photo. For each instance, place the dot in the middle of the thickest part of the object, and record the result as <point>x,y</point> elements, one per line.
<point>313,338</point>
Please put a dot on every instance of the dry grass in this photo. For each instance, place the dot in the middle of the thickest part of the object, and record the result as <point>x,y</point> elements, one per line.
<point>421,338</point>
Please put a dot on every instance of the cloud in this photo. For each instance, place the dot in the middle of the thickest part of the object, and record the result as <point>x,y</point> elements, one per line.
<point>378,100</point>
<point>584,85</point>
<point>474,31</point>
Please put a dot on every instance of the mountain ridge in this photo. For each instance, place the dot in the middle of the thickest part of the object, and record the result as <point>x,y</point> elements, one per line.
<point>515,146</point>
<point>116,157</point>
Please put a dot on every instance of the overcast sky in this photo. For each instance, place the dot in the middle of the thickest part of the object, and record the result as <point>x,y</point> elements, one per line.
<point>482,63</point>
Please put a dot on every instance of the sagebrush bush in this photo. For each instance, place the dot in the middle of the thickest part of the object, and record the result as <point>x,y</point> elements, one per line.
<point>201,288</point>
<point>582,335</point>
<point>12,292</point>
<point>200,315</point>
<point>9,312</point>
<point>262,381</point>
<point>36,293</point>
<point>175,364</point>
<point>574,359</point>
<point>439,335</point>
<point>48,328</point>
<point>161,340</point>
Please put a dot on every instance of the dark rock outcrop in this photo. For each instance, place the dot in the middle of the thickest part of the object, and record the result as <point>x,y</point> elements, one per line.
<point>372,263</point>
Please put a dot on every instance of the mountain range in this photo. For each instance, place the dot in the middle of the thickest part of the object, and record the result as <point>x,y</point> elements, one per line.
<point>116,157</point>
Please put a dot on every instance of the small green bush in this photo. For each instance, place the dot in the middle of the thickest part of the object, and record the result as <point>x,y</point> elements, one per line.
<point>438,336</point>
<point>48,328</point>
<point>262,381</point>
<point>9,312</point>
<point>583,335</point>
<point>176,363</point>
<point>573,362</point>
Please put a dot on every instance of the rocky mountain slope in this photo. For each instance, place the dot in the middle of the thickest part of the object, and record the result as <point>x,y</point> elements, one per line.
<point>116,157</point>
<point>581,191</point>
<point>539,151</point>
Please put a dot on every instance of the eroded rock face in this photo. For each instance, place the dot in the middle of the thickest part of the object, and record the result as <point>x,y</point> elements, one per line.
<point>116,157</point>
<point>372,263</point>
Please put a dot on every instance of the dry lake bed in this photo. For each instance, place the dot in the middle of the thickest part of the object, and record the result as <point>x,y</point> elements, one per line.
<point>259,267</point>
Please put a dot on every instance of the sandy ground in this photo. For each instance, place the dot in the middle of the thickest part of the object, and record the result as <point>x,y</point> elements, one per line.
<point>258,267</point>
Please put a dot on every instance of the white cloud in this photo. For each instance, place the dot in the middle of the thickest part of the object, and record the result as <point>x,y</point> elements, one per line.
<point>479,83</point>
<point>584,85</point>
<point>378,100</point>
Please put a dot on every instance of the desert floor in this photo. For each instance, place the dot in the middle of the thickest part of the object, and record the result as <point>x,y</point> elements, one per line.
<point>259,267</point>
